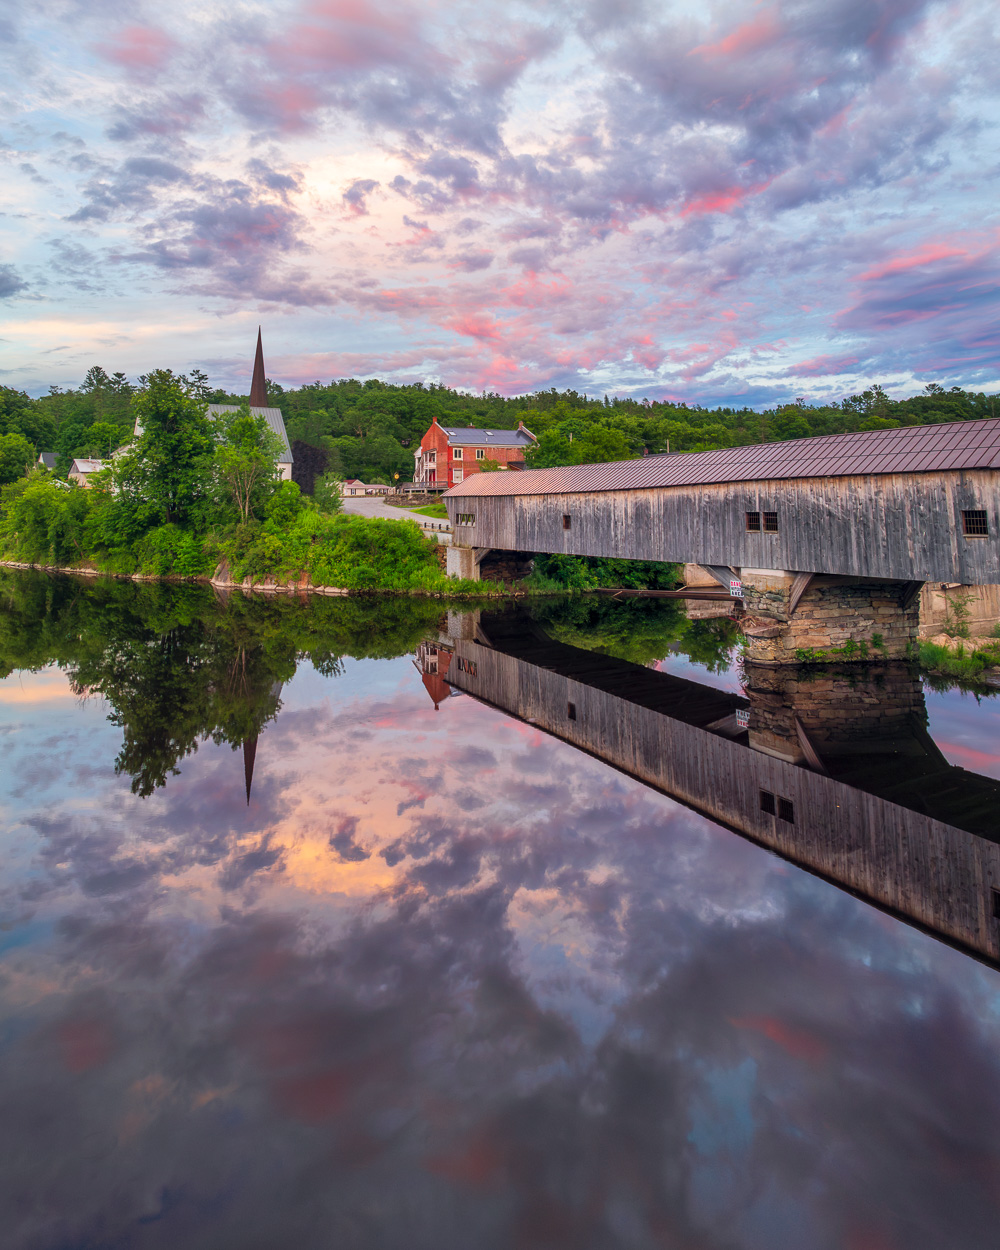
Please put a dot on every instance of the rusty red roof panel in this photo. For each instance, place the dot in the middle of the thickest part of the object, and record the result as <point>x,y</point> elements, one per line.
<point>913,449</point>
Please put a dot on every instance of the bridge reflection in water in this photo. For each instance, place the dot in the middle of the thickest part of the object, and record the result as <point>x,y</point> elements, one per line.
<point>838,774</point>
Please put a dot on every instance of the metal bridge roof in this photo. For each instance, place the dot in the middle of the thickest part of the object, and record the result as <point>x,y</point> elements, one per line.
<point>912,449</point>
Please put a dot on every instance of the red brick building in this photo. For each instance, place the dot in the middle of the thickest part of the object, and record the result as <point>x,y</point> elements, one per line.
<point>449,454</point>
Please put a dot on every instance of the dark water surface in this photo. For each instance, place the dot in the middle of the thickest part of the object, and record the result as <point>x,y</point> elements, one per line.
<point>448,980</point>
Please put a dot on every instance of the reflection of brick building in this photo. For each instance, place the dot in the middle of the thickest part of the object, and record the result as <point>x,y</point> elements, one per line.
<point>449,454</point>
<point>432,660</point>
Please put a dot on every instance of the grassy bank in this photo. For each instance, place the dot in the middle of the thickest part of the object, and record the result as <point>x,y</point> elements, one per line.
<point>974,660</point>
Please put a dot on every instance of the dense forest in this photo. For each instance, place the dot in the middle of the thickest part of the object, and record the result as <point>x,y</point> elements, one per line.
<point>370,429</point>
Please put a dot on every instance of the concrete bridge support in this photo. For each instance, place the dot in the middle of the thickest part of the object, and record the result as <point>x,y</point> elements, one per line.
<point>462,562</point>
<point>799,617</point>
<point>487,564</point>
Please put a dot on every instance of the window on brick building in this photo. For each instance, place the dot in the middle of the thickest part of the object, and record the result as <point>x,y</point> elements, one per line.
<point>480,453</point>
<point>975,524</point>
<point>456,453</point>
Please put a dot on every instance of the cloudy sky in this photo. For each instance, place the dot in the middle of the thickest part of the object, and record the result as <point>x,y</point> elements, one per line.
<point>744,202</point>
<point>448,982</point>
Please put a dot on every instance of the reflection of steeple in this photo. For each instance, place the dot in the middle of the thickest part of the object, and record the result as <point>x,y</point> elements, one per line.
<point>258,386</point>
<point>250,744</point>
<point>249,755</point>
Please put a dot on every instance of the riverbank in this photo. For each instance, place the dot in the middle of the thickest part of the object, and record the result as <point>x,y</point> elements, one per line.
<point>970,660</point>
<point>222,579</point>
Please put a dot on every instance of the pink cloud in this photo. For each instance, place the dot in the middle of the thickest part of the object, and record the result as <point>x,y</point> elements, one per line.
<point>350,34</point>
<point>289,106</point>
<point>722,201</point>
<point>85,1043</point>
<point>969,757</point>
<point>821,366</point>
<point>138,48</point>
<point>797,1042</point>
<point>926,255</point>
<point>478,327</point>
<point>743,40</point>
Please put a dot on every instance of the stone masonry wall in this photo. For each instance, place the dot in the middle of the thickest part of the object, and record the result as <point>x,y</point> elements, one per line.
<point>835,708</point>
<point>505,566</point>
<point>836,619</point>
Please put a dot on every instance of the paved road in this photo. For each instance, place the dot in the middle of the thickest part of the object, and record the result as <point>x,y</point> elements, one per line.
<point>372,506</point>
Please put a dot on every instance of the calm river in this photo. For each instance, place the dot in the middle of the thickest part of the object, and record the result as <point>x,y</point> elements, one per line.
<point>347,924</point>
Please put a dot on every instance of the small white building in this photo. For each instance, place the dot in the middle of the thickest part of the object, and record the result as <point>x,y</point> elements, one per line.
<point>83,469</point>
<point>354,486</point>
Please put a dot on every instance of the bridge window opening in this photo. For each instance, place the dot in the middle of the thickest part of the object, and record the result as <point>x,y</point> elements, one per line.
<point>975,524</point>
<point>753,522</point>
<point>571,711</point>
<point>996,904</point>
<point>770,522</point>
<point>465,518</point>
<point>567,521</point>
<point>767,803</point>
<point>786,811</point>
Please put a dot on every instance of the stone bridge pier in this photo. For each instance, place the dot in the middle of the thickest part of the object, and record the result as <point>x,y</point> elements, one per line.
<point>799,617</point>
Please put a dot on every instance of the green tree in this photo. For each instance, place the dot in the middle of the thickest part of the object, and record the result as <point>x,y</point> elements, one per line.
<point>101,439</point>
<point>44,520</point>
<point>327,494</point>
<point>173,451</point>
<point>16,457</point>
<point>245,460</point>
<point>788,423</point>
<point>20,414</point>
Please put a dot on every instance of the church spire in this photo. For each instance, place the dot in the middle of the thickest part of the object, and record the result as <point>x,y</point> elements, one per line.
<point>258,388</point>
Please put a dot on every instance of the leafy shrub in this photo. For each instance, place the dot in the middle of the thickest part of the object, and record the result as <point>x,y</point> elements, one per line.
<point>559,572</point>
<point>168,549</point>
<point>364,554</point>
<point>44,521</point>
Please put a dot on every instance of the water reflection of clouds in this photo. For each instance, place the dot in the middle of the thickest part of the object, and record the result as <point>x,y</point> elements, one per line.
<point>575,1015</point>
<point>972,742</point>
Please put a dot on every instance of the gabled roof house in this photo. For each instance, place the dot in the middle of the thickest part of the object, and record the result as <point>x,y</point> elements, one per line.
<point>448,454</point>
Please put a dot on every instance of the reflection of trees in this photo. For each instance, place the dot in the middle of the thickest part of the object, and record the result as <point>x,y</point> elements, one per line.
<point>639,630</point>
<point>178,665</point>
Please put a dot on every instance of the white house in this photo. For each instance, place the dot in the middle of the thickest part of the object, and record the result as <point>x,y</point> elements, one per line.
<point>83,469</point>
<point>259,408</point>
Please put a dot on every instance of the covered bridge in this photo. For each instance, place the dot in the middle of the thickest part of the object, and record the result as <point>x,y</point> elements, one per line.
<point>921,502</point>
<point>896,507</point>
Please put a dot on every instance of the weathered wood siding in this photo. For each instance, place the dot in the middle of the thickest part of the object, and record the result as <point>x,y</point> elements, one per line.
<point>917,867</point>
<point>903,527</point>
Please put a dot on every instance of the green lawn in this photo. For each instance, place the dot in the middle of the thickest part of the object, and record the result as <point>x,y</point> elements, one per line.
<point>437,510</point>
